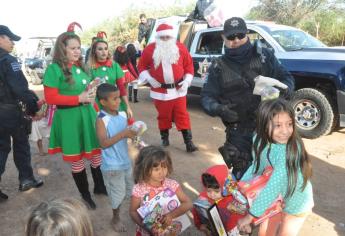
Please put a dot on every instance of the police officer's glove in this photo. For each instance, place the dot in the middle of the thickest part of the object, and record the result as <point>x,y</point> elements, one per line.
<point>226,113</point>
<point>261,82</point>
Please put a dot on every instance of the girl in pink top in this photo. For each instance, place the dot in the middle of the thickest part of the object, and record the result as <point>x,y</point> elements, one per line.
<point>151,169</point>
<point>41,124</point>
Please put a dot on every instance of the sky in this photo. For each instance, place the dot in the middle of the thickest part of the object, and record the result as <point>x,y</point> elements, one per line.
<point>50,18</point>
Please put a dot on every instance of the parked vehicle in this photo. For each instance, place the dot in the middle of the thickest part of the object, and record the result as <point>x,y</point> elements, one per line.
<point>37,57</point>
<point>319,71</point>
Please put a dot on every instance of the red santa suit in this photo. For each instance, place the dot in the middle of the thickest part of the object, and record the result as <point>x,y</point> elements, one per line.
<point>169,83</point>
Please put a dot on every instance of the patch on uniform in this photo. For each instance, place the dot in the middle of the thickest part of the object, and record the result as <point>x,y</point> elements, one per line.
<point>16,66</point>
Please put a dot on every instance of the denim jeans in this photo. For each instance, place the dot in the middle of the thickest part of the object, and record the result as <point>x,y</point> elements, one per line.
<point>119,184</point>
<point>21,152</point>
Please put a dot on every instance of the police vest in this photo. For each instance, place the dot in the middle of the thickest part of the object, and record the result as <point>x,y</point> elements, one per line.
<point>237,84</point>
<point>6,96</point>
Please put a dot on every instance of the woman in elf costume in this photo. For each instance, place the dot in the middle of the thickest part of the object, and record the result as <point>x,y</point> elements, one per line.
<point>102,66</point>
<point>121,56</point>
<point>73,128</point>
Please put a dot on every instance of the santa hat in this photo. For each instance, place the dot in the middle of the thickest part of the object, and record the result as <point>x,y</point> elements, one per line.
<point>165,30</point>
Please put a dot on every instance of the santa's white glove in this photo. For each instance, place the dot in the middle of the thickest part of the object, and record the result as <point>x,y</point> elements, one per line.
<point>145,77</point>
<point>184,85</point>
<point>154,83</point>
<point>262,82</point>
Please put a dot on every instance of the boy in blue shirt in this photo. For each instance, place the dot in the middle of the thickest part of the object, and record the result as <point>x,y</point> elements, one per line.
<point>112,133</point>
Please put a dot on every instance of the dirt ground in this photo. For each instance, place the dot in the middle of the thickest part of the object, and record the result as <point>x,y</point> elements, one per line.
<point>328,159</point>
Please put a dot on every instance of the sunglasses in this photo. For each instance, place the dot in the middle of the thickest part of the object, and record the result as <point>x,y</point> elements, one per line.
<point>239,36</point>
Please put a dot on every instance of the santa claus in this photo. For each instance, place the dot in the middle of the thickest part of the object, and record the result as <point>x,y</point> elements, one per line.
<point>168,67</point>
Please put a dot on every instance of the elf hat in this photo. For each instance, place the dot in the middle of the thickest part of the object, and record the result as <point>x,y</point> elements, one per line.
<point>101,36</point>
<point>165,30</point>
<point>70,28</point>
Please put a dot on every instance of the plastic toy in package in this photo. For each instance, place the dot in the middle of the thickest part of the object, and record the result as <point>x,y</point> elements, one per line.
<point>139,127</point>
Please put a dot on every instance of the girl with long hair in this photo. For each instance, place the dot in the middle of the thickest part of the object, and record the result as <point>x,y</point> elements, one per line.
<point>73,127</point>
<point>101,65</point>
<point>121,56</point>
<point>278,144</point>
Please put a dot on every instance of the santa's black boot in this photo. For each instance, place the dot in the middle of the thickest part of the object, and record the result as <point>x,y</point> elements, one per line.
<point>165,137</point>
<point>187,136</point>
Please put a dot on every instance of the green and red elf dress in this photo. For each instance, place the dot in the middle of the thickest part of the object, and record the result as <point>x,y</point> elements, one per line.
<point>112,73</point>
<point>73,129</point>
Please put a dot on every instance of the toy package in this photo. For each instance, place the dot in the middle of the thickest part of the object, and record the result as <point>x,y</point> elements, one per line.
<point>140,127</point>
<point>251,190</point>
<point>161,204</point>
<point>220,218</point>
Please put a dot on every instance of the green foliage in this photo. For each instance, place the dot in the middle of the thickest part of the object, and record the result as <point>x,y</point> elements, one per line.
<point>124,28</point>
<point>324,19</point>
<point>288,12</point>
<point>328,25</point>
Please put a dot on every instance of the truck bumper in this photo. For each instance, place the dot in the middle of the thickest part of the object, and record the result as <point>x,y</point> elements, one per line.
<point>341,107</point>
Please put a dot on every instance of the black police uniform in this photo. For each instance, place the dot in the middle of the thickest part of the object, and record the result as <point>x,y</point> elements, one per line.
<point>144,30</point>
<point>232,83</point>
<point>13,89</point>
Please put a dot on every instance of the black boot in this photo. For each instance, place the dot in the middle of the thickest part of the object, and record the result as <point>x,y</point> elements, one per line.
<point>165,137</point>
<point>135,93</point>
<point>83,187</point>
<point>187,136</point>
<point>3,196</point>
<point>130,89</point>
<point>98,181</point>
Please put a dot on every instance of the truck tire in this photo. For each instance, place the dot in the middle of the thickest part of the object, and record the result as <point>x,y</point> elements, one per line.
<point>314,114</point>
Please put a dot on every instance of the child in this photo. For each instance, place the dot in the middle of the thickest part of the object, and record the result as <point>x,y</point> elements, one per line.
<point>151,169</point>
<point>41,124</point>
<point>213,181</point>
<point>112,133</point>
<point>278,144</point>
<point>131,75</point>
<point>59,217</point>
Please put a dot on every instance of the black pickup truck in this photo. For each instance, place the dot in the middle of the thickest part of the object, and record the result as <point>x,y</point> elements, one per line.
<point>319,71</point>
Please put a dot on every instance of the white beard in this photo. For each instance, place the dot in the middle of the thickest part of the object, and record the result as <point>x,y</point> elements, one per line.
<point>166,51</point>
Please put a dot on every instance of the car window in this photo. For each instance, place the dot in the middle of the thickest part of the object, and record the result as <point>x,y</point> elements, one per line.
<point>210,43</point>
<point>253,35</point>
<point>295,39</point>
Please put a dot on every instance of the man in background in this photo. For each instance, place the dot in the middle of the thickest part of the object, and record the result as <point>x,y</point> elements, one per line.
<point>144,29</point>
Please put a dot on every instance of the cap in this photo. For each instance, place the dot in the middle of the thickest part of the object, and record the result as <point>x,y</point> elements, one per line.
<point>165,30</point>
<point>234,25</point>
<point>4,30</point>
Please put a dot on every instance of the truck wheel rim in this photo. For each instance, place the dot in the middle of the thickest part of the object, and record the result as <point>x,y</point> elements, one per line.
<point>307,115</point>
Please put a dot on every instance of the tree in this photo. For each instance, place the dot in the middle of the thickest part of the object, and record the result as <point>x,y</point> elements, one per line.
<point>289,12</point>
<point>124,28</point>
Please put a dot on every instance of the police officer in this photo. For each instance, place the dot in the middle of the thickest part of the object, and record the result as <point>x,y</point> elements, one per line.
<point>200,7</point>
<point>16,102</point>
<point>228,90</point>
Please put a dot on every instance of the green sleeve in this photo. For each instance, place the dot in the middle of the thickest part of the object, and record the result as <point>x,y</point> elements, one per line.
<point>119,71</point>
<point>52,76</point>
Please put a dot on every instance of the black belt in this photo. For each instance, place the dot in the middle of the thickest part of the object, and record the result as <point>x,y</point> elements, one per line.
<point>66,106</point>
<point>170,86</point>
